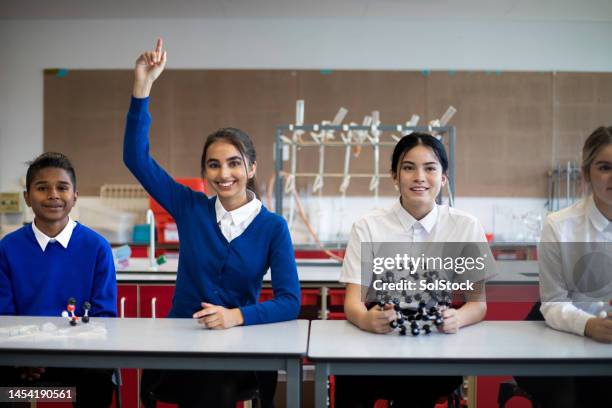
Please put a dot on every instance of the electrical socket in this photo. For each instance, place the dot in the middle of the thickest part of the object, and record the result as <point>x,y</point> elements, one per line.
<point>10,203</point>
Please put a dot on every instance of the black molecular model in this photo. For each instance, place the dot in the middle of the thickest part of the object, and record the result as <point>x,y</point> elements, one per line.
<point>418,312</point>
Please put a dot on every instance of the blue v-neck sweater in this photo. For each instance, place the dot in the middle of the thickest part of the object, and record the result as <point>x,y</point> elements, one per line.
<point>34,282</point>
<point>211,269</point>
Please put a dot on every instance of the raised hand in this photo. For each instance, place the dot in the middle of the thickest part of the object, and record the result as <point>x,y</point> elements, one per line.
<point>149,67</point>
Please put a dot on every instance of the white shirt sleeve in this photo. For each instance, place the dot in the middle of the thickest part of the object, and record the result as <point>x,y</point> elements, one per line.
<point>557,307</point>
<point>351,266</point>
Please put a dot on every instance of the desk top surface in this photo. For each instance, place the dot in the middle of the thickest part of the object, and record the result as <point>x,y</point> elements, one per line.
<point>339,340</point>
<point>174,336</point>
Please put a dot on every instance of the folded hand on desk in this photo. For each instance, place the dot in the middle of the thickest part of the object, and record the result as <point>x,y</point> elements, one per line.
<point>599,329</point>
<point>218,317</point>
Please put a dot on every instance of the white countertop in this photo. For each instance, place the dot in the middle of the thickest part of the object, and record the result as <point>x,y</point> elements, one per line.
<point>489,340</point>
<point>174,336</point>
<point>315,270</point>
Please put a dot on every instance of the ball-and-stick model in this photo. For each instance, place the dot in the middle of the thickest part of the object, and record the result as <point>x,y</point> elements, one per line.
<point>70,312</point>
<point>417,312</point>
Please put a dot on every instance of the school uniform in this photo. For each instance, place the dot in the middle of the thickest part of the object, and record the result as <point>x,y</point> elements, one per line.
<point>572,283</point>
<point>223,255</point>
<point>568,235</point>
<point>396,225</point>
<point>38,274</point>
<point>212,269</point>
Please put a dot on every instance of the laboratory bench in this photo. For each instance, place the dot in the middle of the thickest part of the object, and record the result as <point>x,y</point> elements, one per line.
<point>148,294</point>
<point>487,348</point>
<point>161,344</point>
<point>503,251</point>
<point>145,293</point>
<point>515,285</point>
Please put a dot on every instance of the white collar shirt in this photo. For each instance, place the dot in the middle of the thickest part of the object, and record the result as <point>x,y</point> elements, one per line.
<point>602,225</point>
<point>234,223</point>
<point>567,236</point>
<point>417,230</point>
<point>441,224</point>
<point>63,238</point>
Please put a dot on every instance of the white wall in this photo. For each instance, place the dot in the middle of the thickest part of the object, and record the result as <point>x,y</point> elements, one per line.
<point>29,46</point>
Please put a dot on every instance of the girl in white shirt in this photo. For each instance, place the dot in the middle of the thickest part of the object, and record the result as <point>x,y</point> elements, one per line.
<point>418,167</point>
<point>572,281</point>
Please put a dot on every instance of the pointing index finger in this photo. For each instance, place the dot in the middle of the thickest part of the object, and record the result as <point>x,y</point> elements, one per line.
<point>160,45</point>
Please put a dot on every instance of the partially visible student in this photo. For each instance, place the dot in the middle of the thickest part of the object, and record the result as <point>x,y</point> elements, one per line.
<point>419,165</point>
<point>45,263</point>
<point>567,282</point>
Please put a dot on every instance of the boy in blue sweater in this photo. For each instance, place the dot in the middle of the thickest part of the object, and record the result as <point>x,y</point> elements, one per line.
<point>45,263</point>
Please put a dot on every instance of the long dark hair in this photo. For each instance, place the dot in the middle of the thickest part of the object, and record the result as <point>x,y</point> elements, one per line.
<point>242,142</point>
<point>412,140</point>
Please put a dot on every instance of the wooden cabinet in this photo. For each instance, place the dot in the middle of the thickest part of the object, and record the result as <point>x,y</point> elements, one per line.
<point>127,300</point>
<point>336,304</point>
<point>155,300</point>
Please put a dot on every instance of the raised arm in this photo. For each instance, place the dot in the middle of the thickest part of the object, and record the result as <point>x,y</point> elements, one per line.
<point>158,183</point>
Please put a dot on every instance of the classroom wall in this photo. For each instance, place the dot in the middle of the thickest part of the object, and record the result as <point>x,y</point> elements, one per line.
<point>29,46</point>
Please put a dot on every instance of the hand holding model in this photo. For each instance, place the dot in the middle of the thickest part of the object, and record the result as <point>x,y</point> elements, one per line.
<point>377,319</point>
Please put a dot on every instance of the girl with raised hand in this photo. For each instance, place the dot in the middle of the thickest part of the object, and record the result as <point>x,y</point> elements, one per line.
<point>227,242</point>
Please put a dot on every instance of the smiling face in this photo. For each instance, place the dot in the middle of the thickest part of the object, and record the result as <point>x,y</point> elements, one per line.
<point>51,195</point>
<point>600,178</point>
<point>227,174</point>
<point>420,177</point>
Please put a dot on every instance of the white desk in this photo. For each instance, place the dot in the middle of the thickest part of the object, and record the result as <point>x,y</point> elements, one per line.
<point>488,348</point>
<point>167,344</point>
